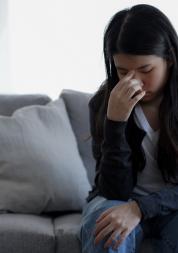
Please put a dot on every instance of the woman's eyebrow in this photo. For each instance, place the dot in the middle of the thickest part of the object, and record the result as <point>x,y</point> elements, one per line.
<point>141,67</point>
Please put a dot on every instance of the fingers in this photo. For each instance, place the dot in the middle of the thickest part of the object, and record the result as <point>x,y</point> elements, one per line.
<point>133,87</point>
<point>128,76</point>
<point>104,214</point>
<point>103,233</point>
<point>125,79</point>
<point>135,99</point>
<point>117,237</point>
<point>122,237</point>
<point>128,86</point>
<point>101,225</point>
<point>111,239</point>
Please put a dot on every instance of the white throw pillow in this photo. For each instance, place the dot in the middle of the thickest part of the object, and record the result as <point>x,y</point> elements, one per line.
<point>40,166</point>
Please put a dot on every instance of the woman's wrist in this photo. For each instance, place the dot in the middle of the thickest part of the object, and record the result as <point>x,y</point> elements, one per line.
<point>136,208</point>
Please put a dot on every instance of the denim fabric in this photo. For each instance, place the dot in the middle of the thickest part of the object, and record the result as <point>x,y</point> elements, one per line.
<point>164,233</point>
<point>162,230</point>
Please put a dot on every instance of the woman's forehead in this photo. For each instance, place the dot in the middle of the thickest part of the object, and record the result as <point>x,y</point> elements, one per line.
<point>122,60</point>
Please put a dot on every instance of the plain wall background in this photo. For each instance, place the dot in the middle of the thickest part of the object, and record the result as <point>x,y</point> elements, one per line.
<point>50,45</point>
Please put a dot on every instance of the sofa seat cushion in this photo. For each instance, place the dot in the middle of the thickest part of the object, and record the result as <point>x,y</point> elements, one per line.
<point>26,233</point>
<point>66,228</point>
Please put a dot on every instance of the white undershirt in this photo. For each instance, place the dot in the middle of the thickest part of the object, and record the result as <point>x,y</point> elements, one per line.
<point>150,179</point>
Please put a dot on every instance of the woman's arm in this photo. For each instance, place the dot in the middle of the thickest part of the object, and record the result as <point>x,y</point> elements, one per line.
<point>158,203</point>
<point>114,170</point>
<point>113,160</point>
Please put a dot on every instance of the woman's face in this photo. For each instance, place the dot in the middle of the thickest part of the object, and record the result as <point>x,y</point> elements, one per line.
<point>150,69</point>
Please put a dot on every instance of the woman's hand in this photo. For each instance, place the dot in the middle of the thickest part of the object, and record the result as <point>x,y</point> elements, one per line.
<point>123,98</point>
<point>118,220</point>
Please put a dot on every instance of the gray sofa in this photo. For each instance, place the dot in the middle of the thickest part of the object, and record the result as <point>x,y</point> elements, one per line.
<point>53,231</point>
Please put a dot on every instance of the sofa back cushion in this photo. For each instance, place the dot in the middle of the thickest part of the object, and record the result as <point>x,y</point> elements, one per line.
<point>77,107</point>
<point>11,102</point>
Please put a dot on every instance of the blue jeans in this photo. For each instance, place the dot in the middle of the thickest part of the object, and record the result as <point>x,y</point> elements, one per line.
<point>162,230</point>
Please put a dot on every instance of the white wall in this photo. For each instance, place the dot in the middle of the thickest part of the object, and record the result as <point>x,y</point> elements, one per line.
<point>5,83</point>
<point>57,44</point>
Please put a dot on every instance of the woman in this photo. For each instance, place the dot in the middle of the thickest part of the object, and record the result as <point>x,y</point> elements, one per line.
<point>134,129</point>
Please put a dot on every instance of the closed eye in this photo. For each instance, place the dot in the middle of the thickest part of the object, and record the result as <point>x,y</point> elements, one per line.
<point>145,72</point>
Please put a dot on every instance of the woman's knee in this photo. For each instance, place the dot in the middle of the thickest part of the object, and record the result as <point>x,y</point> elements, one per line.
<point>89,219</point>
<point>93,212</point>
<point>128,245</point>
<point>88,226</point>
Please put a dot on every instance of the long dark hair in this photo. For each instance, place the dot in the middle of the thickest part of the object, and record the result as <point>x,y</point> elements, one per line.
<point>144,30</point>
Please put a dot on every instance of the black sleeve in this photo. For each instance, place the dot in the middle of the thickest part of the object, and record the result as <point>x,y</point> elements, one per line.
<point>158,203</point>
<point>114,173</point>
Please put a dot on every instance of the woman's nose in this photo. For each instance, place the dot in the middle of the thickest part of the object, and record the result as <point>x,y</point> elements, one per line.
<point>138,77</point>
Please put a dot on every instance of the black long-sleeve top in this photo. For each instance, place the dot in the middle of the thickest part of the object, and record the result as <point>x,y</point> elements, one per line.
<point>118,157</point>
